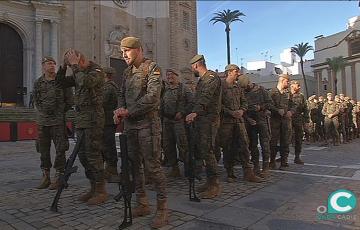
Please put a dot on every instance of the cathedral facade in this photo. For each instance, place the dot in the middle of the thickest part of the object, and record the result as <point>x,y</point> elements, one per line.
<point>32,29</point>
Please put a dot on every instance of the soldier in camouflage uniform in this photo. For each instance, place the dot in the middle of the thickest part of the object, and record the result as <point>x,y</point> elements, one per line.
<point>139,107</point>
<point>258,123</point>
<point>321,119</point>
<point>341,118</point>
<point>88,79</point>
<point>110,103</point>
<point>233,136</point>
<point>206,114</point>
<point>349,119</point>
<point>356,119</point>
<point>300,119</point>
<point>52,102</point>
<point>173,112</point>
<point>313,107</point>
<point>281,114</point>
<point>331,110</point>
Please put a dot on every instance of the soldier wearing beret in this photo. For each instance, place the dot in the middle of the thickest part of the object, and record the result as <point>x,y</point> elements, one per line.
<point>232,131</point>
<point>206,115</point>
<point>331,111</point>
<point>88,79</point>
<point>313,106</point>
<point>139,107</point>
<point>110,102</point>
<point>281,114</point>
<point>300,119</point>
<point>51,103</point>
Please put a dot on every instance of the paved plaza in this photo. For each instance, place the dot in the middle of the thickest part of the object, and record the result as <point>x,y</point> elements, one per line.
<point>288,200</point>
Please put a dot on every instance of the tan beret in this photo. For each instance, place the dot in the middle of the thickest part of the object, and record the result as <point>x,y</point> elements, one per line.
<point>172,71</point>
<point>329,94</point>
<point>196,58</point>
<point>231,66</point>
<point>346,98</point>
<point>312,97</point>
<point>109,70</point>
<point>286,76</point>
<point>130,42</point>
<point>341,94</point>
<point>294,82</point>
<point>47,59</point>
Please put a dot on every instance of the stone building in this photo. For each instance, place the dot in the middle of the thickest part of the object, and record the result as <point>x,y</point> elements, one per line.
<point>31,29</point>
<point>346,44</point>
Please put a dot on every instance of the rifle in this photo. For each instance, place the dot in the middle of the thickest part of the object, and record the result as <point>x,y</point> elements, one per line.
<point>190,164</point>
<point>69,169</point>
<point>127,182</point>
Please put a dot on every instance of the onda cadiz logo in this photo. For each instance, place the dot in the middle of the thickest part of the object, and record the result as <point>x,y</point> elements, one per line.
<point>340,203</point>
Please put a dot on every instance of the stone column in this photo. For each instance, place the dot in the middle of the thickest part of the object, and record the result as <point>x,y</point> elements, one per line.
<point>353,81</point>
<point>38,47</point>
<point>54,40</point>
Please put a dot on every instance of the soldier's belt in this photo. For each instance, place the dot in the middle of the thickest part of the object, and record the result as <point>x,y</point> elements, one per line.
<point>149,115</point>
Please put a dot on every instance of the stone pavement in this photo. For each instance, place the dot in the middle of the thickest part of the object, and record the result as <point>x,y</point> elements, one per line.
<point>288,200</point>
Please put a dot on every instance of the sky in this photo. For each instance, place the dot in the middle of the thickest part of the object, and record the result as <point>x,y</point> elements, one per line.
<point>269,26</point>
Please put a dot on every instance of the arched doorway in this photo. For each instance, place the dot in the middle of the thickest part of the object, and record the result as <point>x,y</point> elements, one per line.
<point>11,65</point>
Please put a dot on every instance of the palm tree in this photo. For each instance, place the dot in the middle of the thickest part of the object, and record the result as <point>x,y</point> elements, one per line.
<point>335,64</point>
<point>301,50</point>
<point>227,17</point>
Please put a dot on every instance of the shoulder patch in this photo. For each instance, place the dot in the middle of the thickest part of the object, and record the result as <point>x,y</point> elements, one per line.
<point>157,71</point>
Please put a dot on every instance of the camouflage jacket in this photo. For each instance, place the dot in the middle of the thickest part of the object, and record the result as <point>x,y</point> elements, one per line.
<point>281,101</point>
<point>331,108</point>
<point>140,94</point>
<point>233,99</point>
<point>207,99</point>
<point>301,108</point>
<point>51,101</point>
<point>110,100</point>
<point>313,111</point>
<point>173,100</point>
<point>258,96</point>
<point>89,112</point>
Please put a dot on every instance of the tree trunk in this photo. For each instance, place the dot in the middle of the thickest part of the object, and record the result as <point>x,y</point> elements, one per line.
<point>227,30</point>
<point>303,75</point>
<point>335,82</point>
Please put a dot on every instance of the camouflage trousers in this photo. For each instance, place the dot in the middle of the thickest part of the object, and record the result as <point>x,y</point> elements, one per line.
<point>234,141</point>
<point>109,150</point>
<point>90,152</point>
<point>331,129</point>
<point>280,131</point>
<point>298,134</point>
<point>257,132</point>
<point>206,131</point>
<point>144,145</point>
<point>56,134</point>
<point>173,141</point>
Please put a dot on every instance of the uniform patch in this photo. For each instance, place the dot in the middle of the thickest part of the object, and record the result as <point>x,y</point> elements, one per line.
<point>157,71</point>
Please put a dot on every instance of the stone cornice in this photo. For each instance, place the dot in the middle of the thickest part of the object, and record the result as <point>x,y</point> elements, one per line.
<point>350,59</point>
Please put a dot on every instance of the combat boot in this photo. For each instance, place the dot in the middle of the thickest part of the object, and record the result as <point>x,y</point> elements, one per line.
<point>86,196</point>
<point>230,175</point>
<point>250,176</point>
<point>257,169</point>
<point>213,190</point>
<point>100,195</point>
<point>265,172</point>
<point>284,163</point>
<point>298,160</point>
<point>56,180</point>
<point>142,206</point>
<point>45,180</point>
<point>175,171</point>
<point>272,163</point>
<point>162,216</point>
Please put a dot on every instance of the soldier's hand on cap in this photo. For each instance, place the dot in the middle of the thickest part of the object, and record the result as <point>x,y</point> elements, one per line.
<point>251,121</point>
<point>281,112</point>
<point>330,116</point>
<point>178,116</point>
<point>72,57</point>
<point>190,118</point>
<point>117,119</point>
